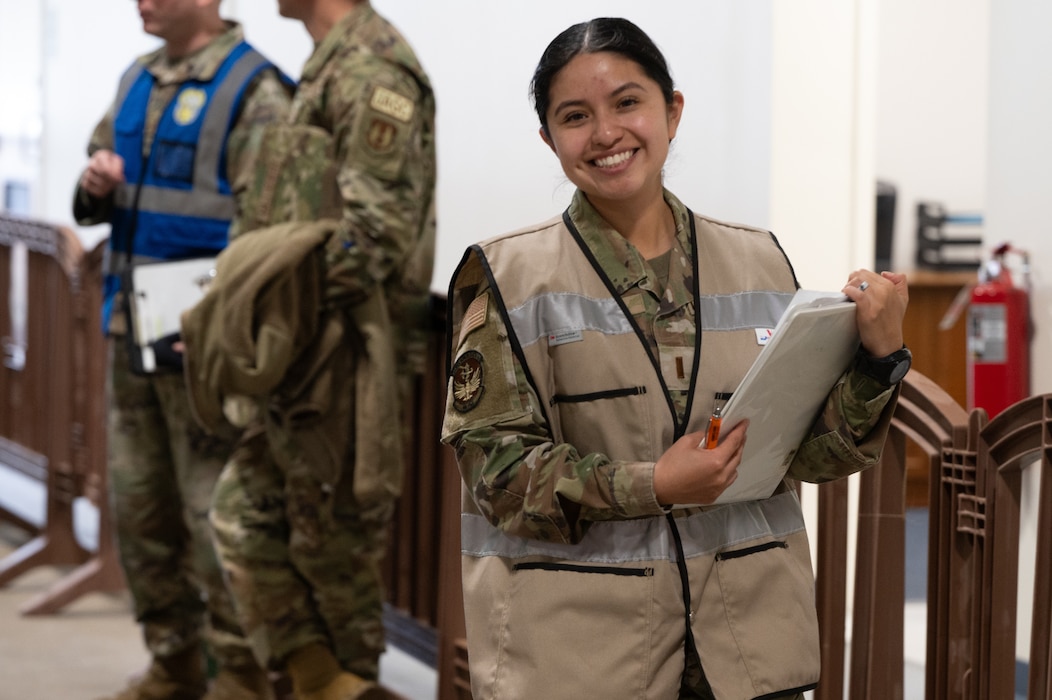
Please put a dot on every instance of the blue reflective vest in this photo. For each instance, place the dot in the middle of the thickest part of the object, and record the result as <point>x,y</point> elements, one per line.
<point>177,202</point>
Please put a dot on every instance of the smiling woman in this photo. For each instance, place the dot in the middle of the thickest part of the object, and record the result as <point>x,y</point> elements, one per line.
<point>579,393</point>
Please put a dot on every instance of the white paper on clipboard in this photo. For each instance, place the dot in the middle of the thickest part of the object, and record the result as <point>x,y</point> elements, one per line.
<point>162,291</point>
<point>782,393</point>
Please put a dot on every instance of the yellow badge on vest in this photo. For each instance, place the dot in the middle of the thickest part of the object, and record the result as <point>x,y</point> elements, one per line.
<point>188,105</point>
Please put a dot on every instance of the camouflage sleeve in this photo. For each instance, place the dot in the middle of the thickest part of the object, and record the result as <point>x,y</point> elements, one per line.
<point>850,432</point>
<point>267,101</point>
<point>519,478</point>
<point>88,210</point>
<point>380,116</point>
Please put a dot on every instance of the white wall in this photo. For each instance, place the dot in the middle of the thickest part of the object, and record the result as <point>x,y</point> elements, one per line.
<point>494,172</point>
<point>1019,185</point>
<point>20,108</point>
<point>931,111</point>
<point>821,170</point>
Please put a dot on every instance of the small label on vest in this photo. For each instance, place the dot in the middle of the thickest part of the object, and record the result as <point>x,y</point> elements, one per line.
<point>564,337</point>
<point>763,335</point>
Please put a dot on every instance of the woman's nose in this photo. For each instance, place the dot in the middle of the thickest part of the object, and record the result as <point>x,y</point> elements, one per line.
<point>606,131</point>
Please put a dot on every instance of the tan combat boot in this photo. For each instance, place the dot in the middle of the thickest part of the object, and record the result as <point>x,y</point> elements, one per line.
<point>316,675</point>
<point>241,683</point>
<point>178,677</point>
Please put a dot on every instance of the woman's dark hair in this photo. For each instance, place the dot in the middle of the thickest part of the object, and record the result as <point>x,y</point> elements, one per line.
<point>601,34</point>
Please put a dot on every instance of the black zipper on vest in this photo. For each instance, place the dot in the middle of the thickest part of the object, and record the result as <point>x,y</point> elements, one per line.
<point>583,569</point>
<point>690,647</point>
<point>598,395</point>
<point>738,553</point>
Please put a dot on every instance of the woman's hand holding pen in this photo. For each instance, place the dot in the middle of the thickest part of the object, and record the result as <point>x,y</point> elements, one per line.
<point>689,473</point>
<point>881,300</point>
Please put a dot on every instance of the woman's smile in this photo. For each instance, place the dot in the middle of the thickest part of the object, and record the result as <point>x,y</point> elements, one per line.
<point>614,160</point>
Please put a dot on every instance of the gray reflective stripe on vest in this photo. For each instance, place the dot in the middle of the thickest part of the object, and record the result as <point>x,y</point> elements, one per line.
<point>563,311</point>
<point>218,121</point>
<point>645,539</point>
<point>205,205</point>
<point>731,312</point>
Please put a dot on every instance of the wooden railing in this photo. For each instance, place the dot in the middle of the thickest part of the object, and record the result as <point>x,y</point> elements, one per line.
<point>52,429</point>
<point>52,404</point>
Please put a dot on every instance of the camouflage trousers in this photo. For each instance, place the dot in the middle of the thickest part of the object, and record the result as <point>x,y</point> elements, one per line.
<point>162,469</point>
<point>301,557</point>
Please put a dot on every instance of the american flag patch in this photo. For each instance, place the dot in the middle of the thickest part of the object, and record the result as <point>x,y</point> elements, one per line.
<point>475,316</point>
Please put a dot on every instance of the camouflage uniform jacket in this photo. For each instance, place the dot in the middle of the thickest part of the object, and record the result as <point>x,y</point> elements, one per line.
<point>575,368</point>
<point>358,148</point>
<point>356,158</point>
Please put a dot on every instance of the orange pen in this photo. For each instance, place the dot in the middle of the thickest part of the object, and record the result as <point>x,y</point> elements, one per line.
<point>712,437</point>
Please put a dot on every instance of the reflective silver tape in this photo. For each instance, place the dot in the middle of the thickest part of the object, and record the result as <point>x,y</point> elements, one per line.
<point>644,539</point>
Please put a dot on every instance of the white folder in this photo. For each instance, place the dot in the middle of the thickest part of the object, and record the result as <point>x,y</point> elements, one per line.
<point>785,389</point>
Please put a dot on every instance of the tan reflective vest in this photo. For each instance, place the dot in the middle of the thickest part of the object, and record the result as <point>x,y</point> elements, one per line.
<point>608,617</point>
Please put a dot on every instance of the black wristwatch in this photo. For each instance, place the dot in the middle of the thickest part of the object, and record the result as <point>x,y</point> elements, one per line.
<point>888,370</point>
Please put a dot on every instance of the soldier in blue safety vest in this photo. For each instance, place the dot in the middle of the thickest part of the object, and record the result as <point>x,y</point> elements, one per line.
<point>163,166</point>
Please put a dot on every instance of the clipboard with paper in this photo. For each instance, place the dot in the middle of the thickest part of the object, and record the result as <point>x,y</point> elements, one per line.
<point>785,389</point>
<point>158,294</point>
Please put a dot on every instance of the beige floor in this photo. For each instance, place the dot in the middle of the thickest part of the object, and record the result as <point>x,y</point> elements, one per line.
<point>87,650</point>
<point>91,647</point>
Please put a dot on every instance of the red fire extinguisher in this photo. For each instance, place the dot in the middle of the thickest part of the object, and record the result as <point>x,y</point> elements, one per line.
<point>999,335</point>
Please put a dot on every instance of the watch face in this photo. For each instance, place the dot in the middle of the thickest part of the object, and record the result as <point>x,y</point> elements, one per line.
<point>900,371</point>
<point>902,366</point>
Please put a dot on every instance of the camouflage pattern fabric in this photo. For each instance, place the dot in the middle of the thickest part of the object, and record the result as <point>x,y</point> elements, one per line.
<point>359,147</point>
<point>162,466</point>
<point>302,557</point>
<point>162,469</point>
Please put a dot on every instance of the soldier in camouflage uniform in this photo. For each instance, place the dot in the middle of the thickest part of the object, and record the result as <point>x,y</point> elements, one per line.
<point>162,465</point>
<point>302,511</point>
<point>587,352</point>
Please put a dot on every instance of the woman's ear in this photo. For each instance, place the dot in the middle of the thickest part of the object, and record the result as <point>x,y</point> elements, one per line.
<point>675,113</point>
<point>547,139</point>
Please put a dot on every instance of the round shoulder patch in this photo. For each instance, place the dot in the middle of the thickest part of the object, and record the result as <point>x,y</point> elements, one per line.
<point>468,381</point>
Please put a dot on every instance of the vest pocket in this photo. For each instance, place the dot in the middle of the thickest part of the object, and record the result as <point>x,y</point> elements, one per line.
<point>558,630</point>
<point>595,421</point>
<point>768,598</point>
<point>598,395</point>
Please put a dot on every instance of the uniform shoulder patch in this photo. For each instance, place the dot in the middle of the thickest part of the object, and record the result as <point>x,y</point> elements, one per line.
<point>468,381</point>
<point>475,316</point>
<point>388,102</point>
